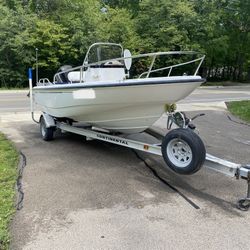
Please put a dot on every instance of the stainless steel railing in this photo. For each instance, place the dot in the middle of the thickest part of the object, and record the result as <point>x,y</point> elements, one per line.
<point>150,69</point>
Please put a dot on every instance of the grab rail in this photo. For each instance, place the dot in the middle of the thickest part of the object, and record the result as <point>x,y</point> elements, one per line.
<point>201,59</point>
<point>149,71</point>
<point>43,82</point>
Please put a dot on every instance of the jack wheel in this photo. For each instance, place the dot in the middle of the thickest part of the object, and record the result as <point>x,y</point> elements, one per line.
<point>243,204</point>
<point>47,134</point>
<point>183,151</point>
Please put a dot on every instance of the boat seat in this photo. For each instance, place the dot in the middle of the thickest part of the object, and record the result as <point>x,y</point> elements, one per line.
<point>113,70</point>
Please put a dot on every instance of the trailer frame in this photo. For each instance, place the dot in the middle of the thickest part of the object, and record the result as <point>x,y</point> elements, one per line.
<point>214,163</point>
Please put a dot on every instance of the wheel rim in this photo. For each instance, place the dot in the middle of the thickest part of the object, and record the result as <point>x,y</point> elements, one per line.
<point>179,152</point>
<point>43,129</point>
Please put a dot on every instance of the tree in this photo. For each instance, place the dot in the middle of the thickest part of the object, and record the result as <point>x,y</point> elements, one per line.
<point>119,27</point>
<point>163,24</point>
<point>237,21</point>
<point>63,30</point>
<point>20,34</point>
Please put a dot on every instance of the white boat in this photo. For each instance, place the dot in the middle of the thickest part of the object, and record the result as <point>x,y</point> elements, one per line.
<point>100,92</point>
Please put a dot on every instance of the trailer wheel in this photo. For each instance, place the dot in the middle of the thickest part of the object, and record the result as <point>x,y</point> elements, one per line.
<point>183,151</point>
<point>243,204</point>
<point>46,133</point>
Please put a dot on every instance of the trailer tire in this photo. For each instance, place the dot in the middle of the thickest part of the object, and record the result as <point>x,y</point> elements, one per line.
<point>243,204</point>
<point>183,151</point>
<point>47,134</point>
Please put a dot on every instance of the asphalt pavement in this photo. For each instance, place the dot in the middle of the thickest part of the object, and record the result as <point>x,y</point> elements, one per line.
<point>94,195</point>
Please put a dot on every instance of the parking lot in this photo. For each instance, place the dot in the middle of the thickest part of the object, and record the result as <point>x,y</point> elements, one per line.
<point>94,195</point>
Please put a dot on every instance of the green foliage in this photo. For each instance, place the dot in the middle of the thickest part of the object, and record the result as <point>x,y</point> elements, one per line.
<point>8,175</point>
<point>132,6</point>
<point>237,22</point>
<point>224,37</point>
<point>119,27</point>
<point>165,24</point>
<point>83,25</point>
<point>20,34</point>
<point>62,30</point>
<point>51,39</point>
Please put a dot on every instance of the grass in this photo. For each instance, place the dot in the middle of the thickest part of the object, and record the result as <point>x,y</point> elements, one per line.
<point>240,109</point>
<point>8,175</point>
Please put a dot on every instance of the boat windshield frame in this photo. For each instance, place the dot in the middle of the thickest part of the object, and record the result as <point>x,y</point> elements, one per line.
<point>99,45</point>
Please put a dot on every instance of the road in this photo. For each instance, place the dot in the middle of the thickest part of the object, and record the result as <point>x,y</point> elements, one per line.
<point>17,101</point>
<point>14,101</point>
<point>93,195</point>
<point>216,94</point>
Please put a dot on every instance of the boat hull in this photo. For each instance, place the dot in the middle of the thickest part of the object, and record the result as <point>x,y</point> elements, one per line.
<point>127,107</point>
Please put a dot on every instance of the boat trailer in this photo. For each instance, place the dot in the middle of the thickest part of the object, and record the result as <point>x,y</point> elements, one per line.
<point>183,134</point>
<point>91,133</point>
